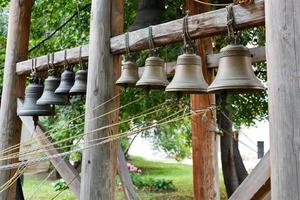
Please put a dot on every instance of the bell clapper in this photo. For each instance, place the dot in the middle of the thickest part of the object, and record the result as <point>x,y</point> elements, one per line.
<point>179,95</point>
<point>35,120</point>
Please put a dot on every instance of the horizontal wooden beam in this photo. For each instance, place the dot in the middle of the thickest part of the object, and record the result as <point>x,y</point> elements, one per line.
<point>258,55</point>
<point>256,182</point>
<point>201,25</point>
<point>212,60</point>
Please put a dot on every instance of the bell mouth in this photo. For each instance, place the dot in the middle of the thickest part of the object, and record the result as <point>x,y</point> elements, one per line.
<point>237,89</point>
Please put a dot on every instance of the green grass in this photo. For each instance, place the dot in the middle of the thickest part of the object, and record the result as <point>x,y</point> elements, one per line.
<point>45,192</point>
<point>181,175</point>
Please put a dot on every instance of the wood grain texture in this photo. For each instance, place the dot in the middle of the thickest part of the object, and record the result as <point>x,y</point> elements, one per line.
<point>200,25</point>
<point>16,50</point>
<point>212,60</point>
<point>203,140</point>
<point>283,65</point>
<point>256,180</point>
<point>98,164</point>
<point>63,166</point>
<point>258,55</point>
<point>124,174</point>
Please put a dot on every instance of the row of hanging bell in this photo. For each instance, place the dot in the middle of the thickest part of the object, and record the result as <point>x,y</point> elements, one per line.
<point>55,91</point>
<point>235,73</point>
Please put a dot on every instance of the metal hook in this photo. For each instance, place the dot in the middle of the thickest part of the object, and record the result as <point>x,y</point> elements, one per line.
<point>32,65</point>
<point>52,60</point>
<point>188,44</point>
<point>66,63</point>
<point>127,44</point>
<point>150,41</point>
<point>48,61</point>
<point>232,34</point>
<point>80,57</point>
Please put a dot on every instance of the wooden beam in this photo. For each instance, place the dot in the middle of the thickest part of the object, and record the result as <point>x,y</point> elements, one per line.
<point>98,164</point>
<point>201,25</point>
<point>258,55</point>
<point>255,181</point>
<point>283,66</point>
<point>124,174</point>
<point>63,166</point>
<point>212,60</point>
<point>16,50</point>
<point>203,141</point>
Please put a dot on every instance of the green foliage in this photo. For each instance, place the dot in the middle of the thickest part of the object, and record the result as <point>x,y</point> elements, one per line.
<point>175,139</point>
<point>151,184</point>
<point>59,185</point>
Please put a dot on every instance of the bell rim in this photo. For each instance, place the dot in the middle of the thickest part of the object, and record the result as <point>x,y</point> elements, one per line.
<point>40,113</point>
<point>187,90</point>
<point>146,84</point>
<point>236,89</point>
<point>49,102</point>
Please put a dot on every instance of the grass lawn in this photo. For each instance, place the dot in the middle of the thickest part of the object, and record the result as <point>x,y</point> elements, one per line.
<point>181,175</point>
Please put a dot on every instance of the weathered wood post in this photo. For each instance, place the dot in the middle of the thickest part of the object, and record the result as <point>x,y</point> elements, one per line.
<point>283,62</point>
<point>203,139</point>
<point>13,86</point>
<point>99,162</point>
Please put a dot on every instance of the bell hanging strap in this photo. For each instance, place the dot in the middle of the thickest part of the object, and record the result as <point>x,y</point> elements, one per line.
<point>233,35</point>
<point>188,44</point>
<point>152,49</point>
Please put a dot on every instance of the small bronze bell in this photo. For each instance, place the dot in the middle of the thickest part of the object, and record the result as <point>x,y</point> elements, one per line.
<point>235,73</point>
<point>32,93</point>
<point>66,83</point>
<point>149,13</point>
<point>79,87</point>
<point>129,75</point>
<point>154,76</point>
<point>188,76</point>
<point>49,97</point>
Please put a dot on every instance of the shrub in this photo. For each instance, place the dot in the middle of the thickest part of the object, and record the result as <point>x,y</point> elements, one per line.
<point>59,185</point>
<point>152,185</point>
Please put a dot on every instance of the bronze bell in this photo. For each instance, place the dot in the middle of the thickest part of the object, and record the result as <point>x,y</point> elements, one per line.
<point>79,87</point>
<point>154,76</point>
<point>66,82</point>
<point>49,97</point>
<point>129,75</point>
<point>188,76</point>
<point>149,13</point>
<point>235,73</point>
<point>32,93</point>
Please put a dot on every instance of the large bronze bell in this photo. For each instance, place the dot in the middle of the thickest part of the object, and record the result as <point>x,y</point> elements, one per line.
<point>32,93</point>
<point>49,97</point>
<point>235,73</point>
<point>154,76</point>
<point>188,76</point>
<point>129,75</point>
<point>149,13</point>
<point>66,83</point>
<point>79,87</point>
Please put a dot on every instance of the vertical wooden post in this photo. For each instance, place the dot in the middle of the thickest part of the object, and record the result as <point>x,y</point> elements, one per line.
<point>283,63</point>
<point>203,139</point>
<point>98,164</point>
<point>16,50</point>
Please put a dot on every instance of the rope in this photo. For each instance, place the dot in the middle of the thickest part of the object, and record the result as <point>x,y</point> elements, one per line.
<point>44,180</point>
<point>17,146</point>
<point>243,2</point>
<point>42,148</point>
<point>112,138</point>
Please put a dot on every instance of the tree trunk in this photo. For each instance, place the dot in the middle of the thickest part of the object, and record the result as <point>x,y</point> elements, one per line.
<point>234,171</point>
